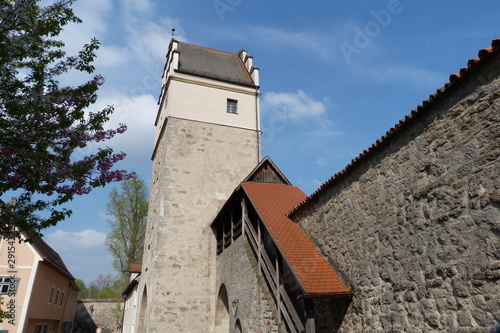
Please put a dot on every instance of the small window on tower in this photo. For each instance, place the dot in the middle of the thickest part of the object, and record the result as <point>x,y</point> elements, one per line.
<point>232,106</point>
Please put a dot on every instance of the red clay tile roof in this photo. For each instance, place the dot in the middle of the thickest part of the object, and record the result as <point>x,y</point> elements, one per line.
<point>135,268</point>
<point>49,255</point>
<point>99,300</point>
<point>444,92</point>
<point>273,201</point>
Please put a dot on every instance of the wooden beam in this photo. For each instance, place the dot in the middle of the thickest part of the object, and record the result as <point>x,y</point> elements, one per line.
<point>310,321</point>
<point>259,241</point>
<point>286,306</point>
<point>278,297</point>
<point>244,216</point>
<point>232,227</point>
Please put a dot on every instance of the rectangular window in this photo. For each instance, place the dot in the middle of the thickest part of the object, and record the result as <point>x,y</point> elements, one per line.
<point>62,297</point>
<point>232,106</point>
<point>41,328</point>
<point>51,294</point>
<point>57,297</point>
<point>8,285</point>
<point>66,327</point>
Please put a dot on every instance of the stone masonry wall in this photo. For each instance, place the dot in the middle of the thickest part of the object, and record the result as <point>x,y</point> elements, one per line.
<point>237,270</point>
<point>414,230</point>
<point>93,313</point>
<point>196,168</point>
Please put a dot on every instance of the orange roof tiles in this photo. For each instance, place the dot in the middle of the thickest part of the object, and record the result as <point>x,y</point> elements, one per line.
<point>455,80</point>
<point>135,268</point>
<point>273,201</point>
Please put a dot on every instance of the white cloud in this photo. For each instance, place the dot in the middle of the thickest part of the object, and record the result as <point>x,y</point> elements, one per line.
<point>141,6</point>
<point>94,16</point>
<point>297,113</point>
<point>93,12</point>
<point>325,129</point>
<point>402,73</point>
<point>105,216</point>
<point>294,106</point>
<point>322,44</point>
<point>85,239</point>
<point>108,56</point>
<point>145,35</point>
<point>307,41</point>
<point>139,113</point>
<point>149,41</point>
<point>83,252</point>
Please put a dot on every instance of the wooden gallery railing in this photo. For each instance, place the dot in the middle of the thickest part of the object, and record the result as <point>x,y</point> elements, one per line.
<point>229,236</point>
<point>272,275</point>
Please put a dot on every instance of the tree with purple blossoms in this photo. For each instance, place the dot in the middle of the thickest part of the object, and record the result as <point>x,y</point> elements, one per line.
<point>43,125</point>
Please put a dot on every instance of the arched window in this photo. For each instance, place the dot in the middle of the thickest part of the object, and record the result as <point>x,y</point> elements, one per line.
<point>143,312</point>
<point>222,312</point>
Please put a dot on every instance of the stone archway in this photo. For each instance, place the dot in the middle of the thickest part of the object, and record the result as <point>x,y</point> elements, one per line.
<point>143,312</point>
<point>222,312</point>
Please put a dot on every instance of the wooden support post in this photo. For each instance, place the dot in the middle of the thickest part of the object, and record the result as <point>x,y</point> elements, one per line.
<point>243,216</point>
<point>223,236</point>
<point>232,227</point>
<point>310,322</point>
<point>259,240</point>
<point>278,296</point>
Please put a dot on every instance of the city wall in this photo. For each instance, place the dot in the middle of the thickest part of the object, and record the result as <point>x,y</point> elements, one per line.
<point>413,229</point>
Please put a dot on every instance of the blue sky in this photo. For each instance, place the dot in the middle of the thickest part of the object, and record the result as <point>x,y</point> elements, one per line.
<point>335,76</point>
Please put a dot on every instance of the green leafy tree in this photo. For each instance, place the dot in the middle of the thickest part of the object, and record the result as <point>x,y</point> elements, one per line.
<point>82,294</point>
<point>43,125</point>
<point>101,287</point>
<point>3,314</point>
<point>128,209</point>
<point>117,313</point>
<point>104,286</point>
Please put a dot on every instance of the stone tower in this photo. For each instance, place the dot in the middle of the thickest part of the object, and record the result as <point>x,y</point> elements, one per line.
<point>207,141</point>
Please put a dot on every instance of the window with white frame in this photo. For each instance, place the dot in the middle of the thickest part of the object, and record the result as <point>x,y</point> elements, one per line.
<point>57,297</point>
<point>232,106</point>
<point>41,328</point>
<point>8,285</point>
<point>51,294</point>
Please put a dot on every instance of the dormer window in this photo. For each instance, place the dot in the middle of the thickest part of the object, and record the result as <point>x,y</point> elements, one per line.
<point>232,106</point>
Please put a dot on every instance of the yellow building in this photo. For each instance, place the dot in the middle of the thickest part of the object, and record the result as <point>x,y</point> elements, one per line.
<point>37,289</point>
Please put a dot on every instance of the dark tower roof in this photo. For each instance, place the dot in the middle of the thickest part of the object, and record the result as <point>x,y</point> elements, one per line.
<point>211,63</point>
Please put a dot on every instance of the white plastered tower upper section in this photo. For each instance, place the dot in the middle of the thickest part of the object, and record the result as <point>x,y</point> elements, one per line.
<point>192,94</point>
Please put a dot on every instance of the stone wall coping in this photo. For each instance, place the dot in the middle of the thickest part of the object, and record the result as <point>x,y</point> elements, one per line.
<point>455,80</point>
<point>106,300</point>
